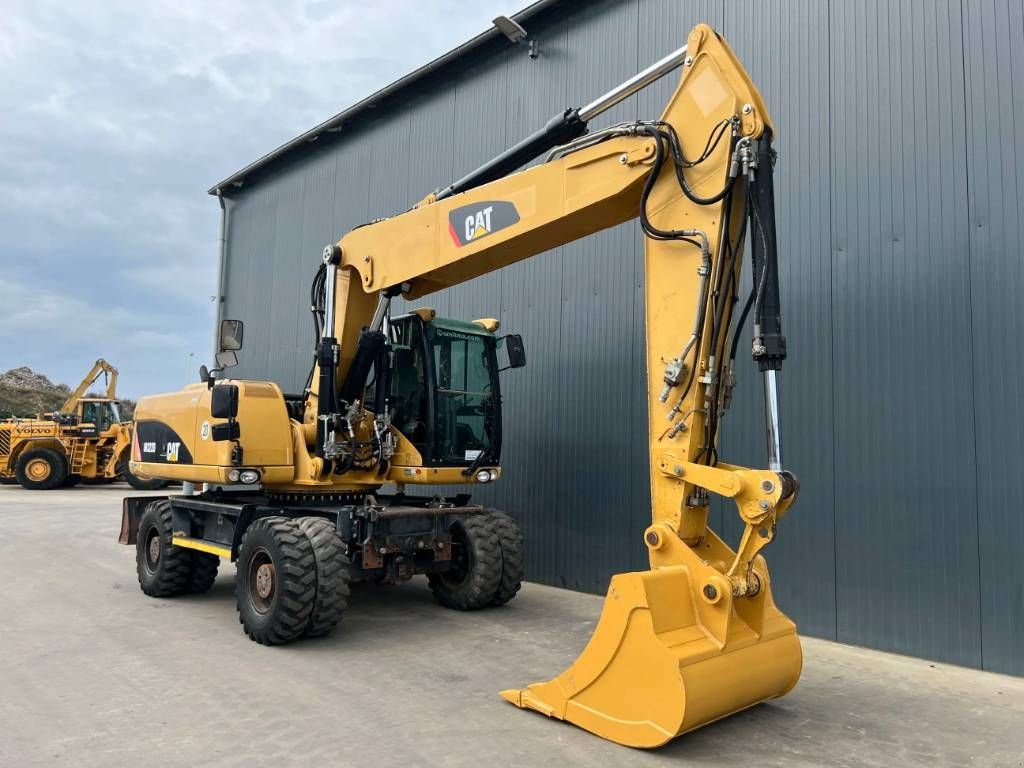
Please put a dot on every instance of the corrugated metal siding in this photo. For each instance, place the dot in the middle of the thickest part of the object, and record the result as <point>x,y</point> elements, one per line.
<point>993,35</point>
<point>900,226</point>
<point>907,549</point>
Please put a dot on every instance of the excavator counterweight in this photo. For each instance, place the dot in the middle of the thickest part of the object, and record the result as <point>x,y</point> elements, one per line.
<point>414,401</point>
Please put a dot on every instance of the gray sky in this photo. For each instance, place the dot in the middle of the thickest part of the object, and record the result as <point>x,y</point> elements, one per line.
<point>115,117</point>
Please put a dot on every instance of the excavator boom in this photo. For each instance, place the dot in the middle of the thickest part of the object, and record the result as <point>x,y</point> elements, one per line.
<point>100,367</point>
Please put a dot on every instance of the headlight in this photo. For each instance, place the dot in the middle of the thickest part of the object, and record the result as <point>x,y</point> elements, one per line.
<point>233,475</point>
<point>249,476</point>
<point>483,476</point>
<point>494,475</point>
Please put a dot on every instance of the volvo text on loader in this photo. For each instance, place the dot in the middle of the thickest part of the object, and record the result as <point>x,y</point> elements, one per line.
<point>415,401</point>
<point>84,440</point>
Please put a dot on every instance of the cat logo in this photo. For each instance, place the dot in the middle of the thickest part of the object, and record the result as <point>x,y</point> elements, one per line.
<point>473,222</point>
<point>172,451</point>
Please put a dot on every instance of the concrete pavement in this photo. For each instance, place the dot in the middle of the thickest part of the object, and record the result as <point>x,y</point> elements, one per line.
<point>93,673</point>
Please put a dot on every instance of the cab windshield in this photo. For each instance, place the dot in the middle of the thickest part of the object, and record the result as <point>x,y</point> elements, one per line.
<point>101,415</point>
<point>466,415</point>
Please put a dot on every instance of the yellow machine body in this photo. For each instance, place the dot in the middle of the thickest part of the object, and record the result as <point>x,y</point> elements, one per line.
<point>697,636</point>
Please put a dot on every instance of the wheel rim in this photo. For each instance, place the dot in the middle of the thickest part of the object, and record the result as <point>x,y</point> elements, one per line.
<point>262,581</point>
<point>38,469</point>
<point>462,558</point>
<point>153,549</point>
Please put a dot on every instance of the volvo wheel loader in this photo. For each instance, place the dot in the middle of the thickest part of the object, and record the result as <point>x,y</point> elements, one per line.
<point>412,401</point>
<point>84,440</point>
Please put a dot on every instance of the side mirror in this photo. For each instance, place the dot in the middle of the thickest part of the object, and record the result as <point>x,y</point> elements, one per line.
<point>515,350</point>
<point>204,374</point>
<point>226,359</point>
<point>224,401</point>
<point>230,335</point>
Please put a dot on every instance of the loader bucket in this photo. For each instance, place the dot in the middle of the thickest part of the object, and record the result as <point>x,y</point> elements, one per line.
<point>654,668</point>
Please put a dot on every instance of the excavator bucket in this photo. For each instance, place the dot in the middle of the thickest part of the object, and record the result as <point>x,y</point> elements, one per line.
<point>654,668</point>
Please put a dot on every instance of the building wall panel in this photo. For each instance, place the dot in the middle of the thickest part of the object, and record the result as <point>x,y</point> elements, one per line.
<point>900,210</point>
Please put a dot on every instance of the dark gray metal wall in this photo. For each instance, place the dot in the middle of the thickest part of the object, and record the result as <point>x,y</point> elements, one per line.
<point>900,220</point>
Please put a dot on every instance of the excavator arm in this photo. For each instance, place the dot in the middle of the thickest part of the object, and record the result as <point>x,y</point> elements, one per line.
<point>99,368</point>
<point>698,636</point>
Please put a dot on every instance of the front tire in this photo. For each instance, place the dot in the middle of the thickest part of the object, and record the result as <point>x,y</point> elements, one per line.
<point>332,575</point>
<point>510,537</point>
<point>41,469</point>
<point>164,570</point>
<point>275,581</point>
<point>474,576</point>
<point>136,482</point>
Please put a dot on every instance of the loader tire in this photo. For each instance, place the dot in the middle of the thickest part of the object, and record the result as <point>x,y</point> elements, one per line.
<point>510,537</point>
<point>136,482</point>
<point>204,572</point>
<point>41,469</point>
<point>275,581</point>
<point>332,575</point>
<point>473,579</point>
<point>164,570</point>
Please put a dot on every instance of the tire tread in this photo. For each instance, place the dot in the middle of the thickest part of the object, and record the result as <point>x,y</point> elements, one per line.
<point>510,537</point>
<point>296,581</point>
<point>478,590</point>
<point>332,575</point>
<point>175,562</point>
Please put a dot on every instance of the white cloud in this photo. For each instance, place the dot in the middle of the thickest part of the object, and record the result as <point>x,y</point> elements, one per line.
<point>116,116</point>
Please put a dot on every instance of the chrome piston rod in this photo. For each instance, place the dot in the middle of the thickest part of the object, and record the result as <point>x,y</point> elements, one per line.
<point>637,82</point>
<point>771,416</point>
<point>329,284</point>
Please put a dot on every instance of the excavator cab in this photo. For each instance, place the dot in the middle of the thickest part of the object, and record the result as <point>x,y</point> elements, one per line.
<point>444,390</point>
<point>103,414</point>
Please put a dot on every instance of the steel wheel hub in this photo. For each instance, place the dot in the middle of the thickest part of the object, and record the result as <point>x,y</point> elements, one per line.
<point>265,580</point>
<point>154,550</point>
<point>38,469</point>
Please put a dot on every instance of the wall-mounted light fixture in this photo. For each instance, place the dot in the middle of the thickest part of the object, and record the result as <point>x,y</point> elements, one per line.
<point>515,33</point>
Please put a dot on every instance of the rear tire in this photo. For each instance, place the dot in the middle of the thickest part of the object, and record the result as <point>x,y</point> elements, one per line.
<point>204,572</point>
<point>473,579</point>
<point>41,469</point>
<point>332,575</point>
<point>510,537</point>
<point>71,481</point>
<point>164,570</point>
<point>136,482</point>
<point>275,582</point>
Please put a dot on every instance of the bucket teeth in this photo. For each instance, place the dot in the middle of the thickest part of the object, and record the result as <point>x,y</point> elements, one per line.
<point>525,699</point>
<point>652,672</point>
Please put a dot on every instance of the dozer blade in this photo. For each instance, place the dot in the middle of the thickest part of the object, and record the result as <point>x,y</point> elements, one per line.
<point>654,668</point>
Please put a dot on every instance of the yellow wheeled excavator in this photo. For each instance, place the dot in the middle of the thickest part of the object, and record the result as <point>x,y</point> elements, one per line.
<point>413,400</point>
